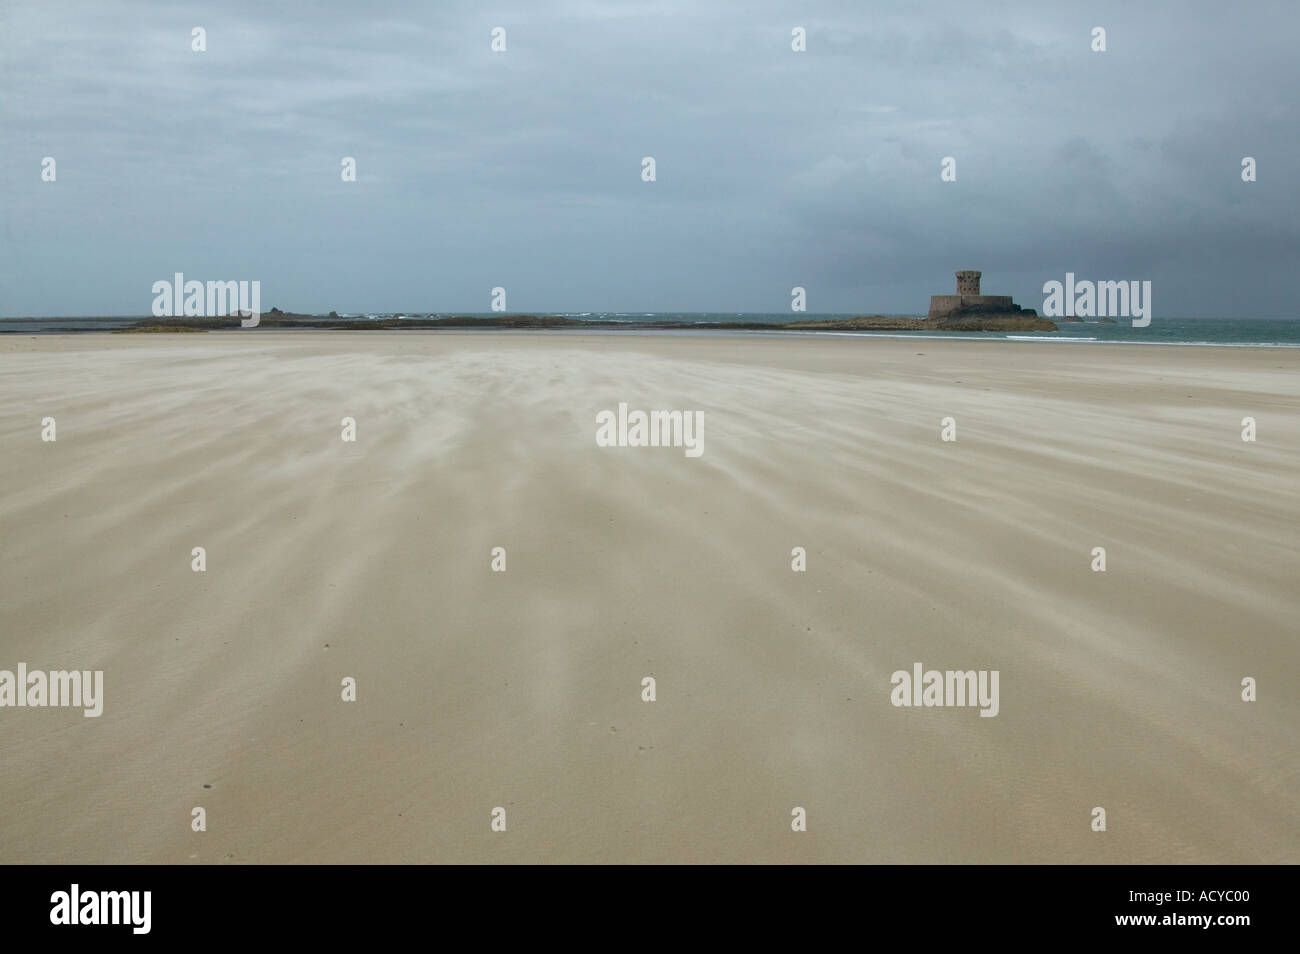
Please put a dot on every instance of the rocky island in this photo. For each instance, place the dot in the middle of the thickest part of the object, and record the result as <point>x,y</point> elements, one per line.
<point>968,310</point>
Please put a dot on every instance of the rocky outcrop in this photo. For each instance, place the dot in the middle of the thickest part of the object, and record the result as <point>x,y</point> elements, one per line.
<point>968,310</point>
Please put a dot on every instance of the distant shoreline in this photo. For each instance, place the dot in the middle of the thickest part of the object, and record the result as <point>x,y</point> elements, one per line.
<point>335,322</point>
<point>1243,332</point>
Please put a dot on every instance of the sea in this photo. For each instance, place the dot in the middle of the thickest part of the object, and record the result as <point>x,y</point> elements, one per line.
<point>1211,332</point>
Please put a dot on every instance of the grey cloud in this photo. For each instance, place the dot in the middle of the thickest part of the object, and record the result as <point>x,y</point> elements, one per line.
<point>523,169</point>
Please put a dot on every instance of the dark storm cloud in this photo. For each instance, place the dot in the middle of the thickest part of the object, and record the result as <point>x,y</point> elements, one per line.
<point>522,169</point>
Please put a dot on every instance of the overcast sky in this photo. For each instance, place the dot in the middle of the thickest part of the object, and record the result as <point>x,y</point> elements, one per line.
<point>523,169</point>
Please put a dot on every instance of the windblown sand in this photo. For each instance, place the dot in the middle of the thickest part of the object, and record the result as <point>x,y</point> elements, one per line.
<point>523,689</point>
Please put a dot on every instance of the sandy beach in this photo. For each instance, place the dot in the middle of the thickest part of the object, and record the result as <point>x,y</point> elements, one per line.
<point>328,559</point>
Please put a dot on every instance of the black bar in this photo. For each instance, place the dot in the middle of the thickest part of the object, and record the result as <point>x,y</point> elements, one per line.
<point>976,904</point>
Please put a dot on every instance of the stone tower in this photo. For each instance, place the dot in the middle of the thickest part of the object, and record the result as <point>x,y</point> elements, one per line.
<point>969,299</point>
